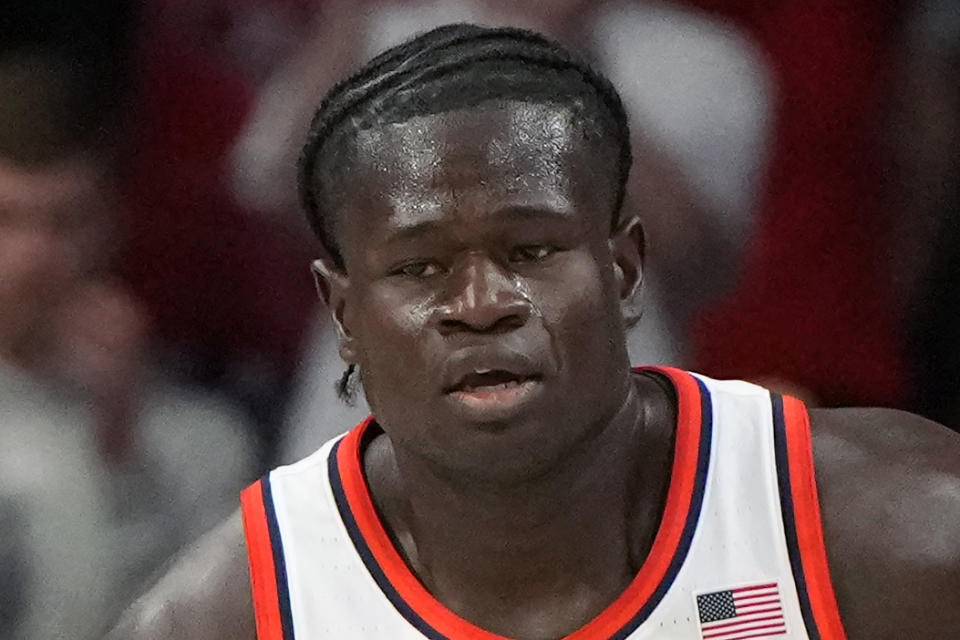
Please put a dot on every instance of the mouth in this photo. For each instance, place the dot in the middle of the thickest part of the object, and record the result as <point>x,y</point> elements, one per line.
<point>484,380</point>
<point>493,389</point>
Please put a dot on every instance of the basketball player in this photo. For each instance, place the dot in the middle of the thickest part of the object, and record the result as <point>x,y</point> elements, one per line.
<point>520,480</point>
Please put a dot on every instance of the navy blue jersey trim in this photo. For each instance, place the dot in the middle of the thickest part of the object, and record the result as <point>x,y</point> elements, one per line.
<point>401,605</point>
<point>279,564</point>
<point>789,519</point>
<point>686,539</point>
<point>693,516</point>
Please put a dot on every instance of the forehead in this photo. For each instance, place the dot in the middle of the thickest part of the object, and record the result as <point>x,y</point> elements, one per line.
<point>498,130</point>
<point>497,154</point>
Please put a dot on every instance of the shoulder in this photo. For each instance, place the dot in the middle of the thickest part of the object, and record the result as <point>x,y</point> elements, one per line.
<point>889,486</point>
<point>205,595</point>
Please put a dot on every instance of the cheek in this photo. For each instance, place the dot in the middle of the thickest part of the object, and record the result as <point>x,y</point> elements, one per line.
<point>584,291</point>
<point>582,313</point>
<point>384,322</point>
<point>390,335</point>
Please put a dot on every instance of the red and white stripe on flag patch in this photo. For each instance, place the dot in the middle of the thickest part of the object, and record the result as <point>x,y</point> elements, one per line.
<point>753,611</point>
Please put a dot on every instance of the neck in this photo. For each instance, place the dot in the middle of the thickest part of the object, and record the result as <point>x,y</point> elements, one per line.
<point>543,558</point>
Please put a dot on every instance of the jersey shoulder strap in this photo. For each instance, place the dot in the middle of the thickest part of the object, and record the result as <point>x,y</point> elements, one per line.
<point>802,521</point>
<point>266,555</point>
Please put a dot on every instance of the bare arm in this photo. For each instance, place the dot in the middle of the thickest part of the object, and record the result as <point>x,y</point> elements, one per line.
<point>205,595</point>
<point>889,485</point>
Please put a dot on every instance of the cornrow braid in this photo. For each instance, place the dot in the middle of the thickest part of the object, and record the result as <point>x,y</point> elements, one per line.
<point>451,67</point>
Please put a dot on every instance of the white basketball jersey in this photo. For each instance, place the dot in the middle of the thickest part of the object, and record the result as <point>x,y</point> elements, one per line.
<point>739,553</point>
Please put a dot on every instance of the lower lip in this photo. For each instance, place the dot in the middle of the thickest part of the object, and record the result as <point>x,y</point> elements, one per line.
<point>495,399</point>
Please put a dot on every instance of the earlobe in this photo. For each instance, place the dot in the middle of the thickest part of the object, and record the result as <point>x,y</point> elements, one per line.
<point>628,248</point>
<point>333,287</point>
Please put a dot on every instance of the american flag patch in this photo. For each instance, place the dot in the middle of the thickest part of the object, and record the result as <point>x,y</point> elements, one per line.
<point>753,611</point>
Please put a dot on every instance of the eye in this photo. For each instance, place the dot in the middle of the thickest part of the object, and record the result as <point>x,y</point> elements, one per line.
<point>532,253</point>
<point>422,269</point>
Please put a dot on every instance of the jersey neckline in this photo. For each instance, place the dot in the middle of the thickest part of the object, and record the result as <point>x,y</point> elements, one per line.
<point>622,616</point>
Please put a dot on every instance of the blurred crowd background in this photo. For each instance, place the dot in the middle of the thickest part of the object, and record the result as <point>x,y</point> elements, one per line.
<point>161,344</point>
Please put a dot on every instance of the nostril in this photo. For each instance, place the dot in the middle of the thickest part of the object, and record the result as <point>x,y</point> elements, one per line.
<point>452,324</point>
<point>513,321</point>
<point>498,324</point>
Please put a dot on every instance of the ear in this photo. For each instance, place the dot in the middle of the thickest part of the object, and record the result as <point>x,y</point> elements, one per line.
<point>627,244</point>
<point>333,286</point>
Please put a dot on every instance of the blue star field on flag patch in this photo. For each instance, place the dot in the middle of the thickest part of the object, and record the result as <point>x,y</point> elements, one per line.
<point>716,606</point>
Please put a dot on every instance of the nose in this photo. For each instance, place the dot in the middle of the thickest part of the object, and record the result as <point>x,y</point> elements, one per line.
<point>482,297</point>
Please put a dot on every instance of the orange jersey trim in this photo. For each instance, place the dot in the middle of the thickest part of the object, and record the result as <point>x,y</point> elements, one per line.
<point>688,472</point>
<point>263,573</point>
<point>809,529</point>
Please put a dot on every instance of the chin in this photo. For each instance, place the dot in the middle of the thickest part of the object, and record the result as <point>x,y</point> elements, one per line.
<point>503,453</point>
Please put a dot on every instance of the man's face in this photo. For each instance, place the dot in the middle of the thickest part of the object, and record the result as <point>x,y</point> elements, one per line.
<point>50,221</point>
<point>481,295</point>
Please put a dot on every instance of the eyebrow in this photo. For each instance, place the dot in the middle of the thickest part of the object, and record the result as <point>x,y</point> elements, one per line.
<point>404,231</point>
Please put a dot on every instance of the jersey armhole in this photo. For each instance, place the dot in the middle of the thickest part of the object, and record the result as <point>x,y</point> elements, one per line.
<point>807,536</point>
<point>263,568</point>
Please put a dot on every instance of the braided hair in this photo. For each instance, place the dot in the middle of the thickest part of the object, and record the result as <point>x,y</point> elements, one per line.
<point>452,67</point>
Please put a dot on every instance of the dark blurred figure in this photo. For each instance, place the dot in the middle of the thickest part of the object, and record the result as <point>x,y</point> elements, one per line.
<point>57,569</point>
<point>109,464</point>
<point>925,186</point>
<point>179,73</point>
